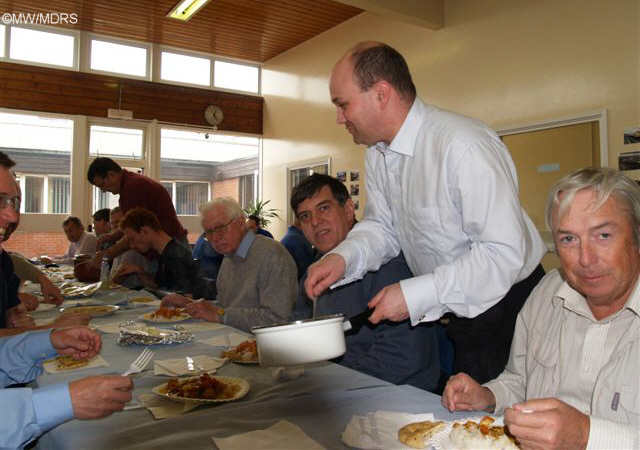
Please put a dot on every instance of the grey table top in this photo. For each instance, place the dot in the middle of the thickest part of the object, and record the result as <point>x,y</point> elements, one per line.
<point>322,401</point>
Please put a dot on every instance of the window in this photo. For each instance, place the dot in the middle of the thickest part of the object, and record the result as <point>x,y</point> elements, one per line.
<point>196,166</point>
<point>118,58</point>
<point>44,194</point>
<point>42,47</point>
<point>116,141</point>
<point>185,69</point>
<point>239,77</point>
<point>41,147</point>
<point>248,189</point>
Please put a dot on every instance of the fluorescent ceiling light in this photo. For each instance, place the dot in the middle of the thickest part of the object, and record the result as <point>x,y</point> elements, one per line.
<point>186,8</point>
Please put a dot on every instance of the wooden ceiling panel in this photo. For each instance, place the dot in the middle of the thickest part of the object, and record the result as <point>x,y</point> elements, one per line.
<point>252,30</point>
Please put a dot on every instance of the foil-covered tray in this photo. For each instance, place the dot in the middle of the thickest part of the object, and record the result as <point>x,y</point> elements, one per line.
<point>139,333</point>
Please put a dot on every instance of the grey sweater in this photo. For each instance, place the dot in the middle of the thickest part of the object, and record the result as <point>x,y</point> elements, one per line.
<point>260,288</point>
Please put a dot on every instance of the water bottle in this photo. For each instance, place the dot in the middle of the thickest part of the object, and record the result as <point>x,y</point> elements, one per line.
<point>104,273</point>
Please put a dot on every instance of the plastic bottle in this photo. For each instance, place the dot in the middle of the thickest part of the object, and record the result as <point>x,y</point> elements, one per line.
<point>104,273</point>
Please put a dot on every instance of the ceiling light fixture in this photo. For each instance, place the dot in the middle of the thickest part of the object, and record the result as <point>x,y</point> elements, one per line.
<point>186,8</point>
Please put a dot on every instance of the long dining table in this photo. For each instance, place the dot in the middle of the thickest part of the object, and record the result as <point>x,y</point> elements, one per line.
<point>321,401</point>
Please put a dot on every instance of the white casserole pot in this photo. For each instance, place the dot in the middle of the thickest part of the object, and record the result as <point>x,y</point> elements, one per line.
<point>300,342</point>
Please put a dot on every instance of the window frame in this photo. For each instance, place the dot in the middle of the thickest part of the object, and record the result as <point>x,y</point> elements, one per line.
<point>241,63</point>
<point>158,73</point>
<point>86,60</point>
<point>75,34</point>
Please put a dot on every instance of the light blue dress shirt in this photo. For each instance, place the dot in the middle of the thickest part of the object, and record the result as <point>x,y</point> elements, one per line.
<point>27,413</point>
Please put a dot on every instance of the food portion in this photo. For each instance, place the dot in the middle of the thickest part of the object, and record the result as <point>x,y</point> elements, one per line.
<point>65,362</point>
<point>246,352</point>
<point>417,434</point>
<point>78,289</point>
<point>204,387</point>
<point>141,300</point>
<point>93,310</point>
<point>480,435</point>
<point>165,314</point>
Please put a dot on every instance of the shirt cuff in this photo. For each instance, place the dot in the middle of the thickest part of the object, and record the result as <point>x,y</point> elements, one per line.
<point>607,434</point>
<point>52,405</point>
<point>40,347</point>
<point>499,394</point>
<point>421,296</point>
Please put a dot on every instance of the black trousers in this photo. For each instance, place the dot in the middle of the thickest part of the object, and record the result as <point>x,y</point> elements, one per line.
<point>482,344</point>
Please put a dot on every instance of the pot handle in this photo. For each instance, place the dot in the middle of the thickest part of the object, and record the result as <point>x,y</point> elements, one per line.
<point>356,322</point>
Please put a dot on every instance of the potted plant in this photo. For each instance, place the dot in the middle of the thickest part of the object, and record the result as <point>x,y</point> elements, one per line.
<point>264,214</point>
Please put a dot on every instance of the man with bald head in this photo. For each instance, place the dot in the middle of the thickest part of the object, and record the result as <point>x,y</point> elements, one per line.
<point>442,189</point>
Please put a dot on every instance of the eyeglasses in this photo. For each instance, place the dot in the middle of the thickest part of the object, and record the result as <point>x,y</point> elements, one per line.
<point>220,230</point>
<point>5,201</point>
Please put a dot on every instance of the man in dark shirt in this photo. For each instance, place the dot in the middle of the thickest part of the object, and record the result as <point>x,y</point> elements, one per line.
<point>135,191</point>
<point>395,352</point>
<point>9,215</point>
<point>177,271</point>
<point>254,223</point>
<point>299,247</point>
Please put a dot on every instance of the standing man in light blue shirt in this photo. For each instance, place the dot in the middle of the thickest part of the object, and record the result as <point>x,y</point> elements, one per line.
<point>442,189</point>
<point>27,413</point>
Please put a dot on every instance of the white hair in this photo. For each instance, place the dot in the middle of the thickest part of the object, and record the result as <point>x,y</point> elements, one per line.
<point>231,207</point>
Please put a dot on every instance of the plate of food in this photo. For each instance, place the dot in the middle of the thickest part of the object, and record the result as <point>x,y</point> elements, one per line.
<point>165,315</point>
<point>66,362</point>
<point>245,353</point>
<point>474,433</point>
<point>204,388</point>
<point>93,310</point>
<point>139,333</point>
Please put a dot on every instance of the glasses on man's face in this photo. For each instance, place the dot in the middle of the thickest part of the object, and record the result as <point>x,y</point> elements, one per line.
<point>220,230</point>
<point>5,201</point>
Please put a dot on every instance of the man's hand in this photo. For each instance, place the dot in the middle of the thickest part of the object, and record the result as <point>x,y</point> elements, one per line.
<point>30,302</point>
<point>548,424</point>
<point>50,292</point>
<point>322,274</point>
<point>463,393</point>
<point>127,269</point>
<point>17,317</point>
<point>79,342</point>
<point>96,261</point>
<point>389,304</point>
<point>107,237</point>
<point>72,320</point>
<point>175,301</point>
<point>203,309</point>
<point>99,396</point>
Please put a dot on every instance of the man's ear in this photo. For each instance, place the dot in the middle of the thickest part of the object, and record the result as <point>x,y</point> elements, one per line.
<point>382,90</point>
<point>349,209</point>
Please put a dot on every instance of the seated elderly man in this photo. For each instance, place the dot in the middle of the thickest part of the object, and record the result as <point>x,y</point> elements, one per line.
<point>257,279</point>
<point>392,351</point>
<point>27,413</point>
<point>80,242</point>
<point>572,380</point>
<point>177,271</point>
<point>130,256</point>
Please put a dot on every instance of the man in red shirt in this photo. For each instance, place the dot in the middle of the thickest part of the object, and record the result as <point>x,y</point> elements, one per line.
<point>135,190</point>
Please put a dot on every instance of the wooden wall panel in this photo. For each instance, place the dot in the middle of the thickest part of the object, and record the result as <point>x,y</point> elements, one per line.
<point>68,92</point>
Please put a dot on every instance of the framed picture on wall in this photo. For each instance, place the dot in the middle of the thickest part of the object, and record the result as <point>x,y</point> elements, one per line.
<point>354,175</point>
<point>356,204</point>
<point>355,189</point>
<point>342,175</point>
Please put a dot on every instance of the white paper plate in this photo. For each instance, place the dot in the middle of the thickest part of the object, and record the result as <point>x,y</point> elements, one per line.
<point>441,441</point>
<point>93,310</point>
<point>242,391</point>
<point>148,318</point>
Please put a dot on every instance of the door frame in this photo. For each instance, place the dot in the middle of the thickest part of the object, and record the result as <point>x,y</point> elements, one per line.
<point>593,116</point>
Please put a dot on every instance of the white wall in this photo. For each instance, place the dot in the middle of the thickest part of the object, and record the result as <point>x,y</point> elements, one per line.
<point>502,61</point>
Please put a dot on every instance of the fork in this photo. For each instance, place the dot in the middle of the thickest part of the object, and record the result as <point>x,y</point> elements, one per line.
<point>140,362</point>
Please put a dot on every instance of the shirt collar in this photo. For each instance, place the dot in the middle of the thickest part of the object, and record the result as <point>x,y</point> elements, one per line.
<point>245,244</point>
<point>405,139</point>
<point>575,302</point>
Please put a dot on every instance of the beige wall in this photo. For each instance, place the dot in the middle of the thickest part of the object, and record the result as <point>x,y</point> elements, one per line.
<point>502,61</point>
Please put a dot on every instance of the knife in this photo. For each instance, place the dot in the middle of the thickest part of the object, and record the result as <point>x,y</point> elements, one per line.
<point>356,322</point>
